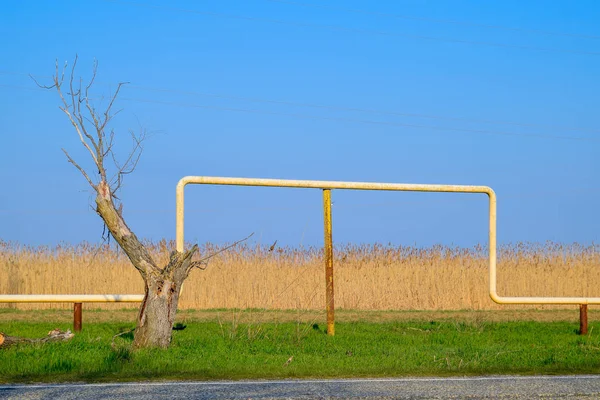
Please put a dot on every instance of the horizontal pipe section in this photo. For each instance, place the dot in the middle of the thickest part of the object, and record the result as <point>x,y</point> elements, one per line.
<point>406,187</point>
<point>71,298</point>
<point>544,300</point>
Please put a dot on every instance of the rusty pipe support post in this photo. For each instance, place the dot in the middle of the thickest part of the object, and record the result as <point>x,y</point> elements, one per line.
<point>328,248</point>
<point>77,316</point>
<point>583,319</point>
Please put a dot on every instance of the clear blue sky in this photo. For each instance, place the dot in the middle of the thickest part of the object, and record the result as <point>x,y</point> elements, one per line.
<point>235,88</point>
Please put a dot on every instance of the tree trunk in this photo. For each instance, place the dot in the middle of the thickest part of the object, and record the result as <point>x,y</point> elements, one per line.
<point>162,285</point>
<point>157,312</point>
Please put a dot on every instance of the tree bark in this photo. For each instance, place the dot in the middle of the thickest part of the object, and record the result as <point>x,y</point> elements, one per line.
<point>157,312</point>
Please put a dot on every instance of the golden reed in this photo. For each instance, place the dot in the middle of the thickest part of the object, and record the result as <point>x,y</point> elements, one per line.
<point>367,277</point>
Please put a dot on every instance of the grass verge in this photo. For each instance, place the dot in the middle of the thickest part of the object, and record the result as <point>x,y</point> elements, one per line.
<point>233,350</point>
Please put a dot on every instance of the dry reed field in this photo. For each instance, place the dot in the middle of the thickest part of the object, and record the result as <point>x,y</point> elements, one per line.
<point>367,277</point>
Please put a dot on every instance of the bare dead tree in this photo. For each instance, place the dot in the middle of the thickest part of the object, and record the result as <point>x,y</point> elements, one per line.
<point>162,284</point>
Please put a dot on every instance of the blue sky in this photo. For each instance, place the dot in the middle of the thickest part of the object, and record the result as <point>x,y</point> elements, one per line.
<point>498,93</point>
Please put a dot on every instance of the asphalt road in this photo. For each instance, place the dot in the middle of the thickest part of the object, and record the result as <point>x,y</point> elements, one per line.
<point>547,387</point>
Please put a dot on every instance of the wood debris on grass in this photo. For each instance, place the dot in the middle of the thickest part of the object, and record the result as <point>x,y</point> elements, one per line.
<point>55,335</point>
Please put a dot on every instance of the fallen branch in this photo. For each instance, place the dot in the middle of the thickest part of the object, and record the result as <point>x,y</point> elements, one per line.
<point>55,335</point>
<point>112,343</point>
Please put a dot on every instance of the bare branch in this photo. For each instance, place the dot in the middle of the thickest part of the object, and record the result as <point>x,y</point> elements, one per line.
<point>204,261</point>
<point>112,343</point>
<point>74,116</point>
<point>107,115</point>
<point>56,82</point>
<point>130,163</point>
<point>133,159</point>
<point>80,169</point>
<point>75,124</point>
<point>89,106</point>
<point>40,85</point>
<point>109,146</point>
<point>91,82</point>
<point>76,100</point>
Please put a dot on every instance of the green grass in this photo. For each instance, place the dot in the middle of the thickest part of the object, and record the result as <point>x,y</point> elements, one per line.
<point>210,350</point>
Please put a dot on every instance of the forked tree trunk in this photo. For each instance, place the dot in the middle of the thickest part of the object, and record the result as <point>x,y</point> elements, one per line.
<point>162,285</point>
<point>157,312</point>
